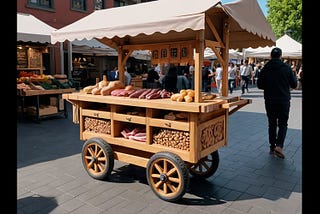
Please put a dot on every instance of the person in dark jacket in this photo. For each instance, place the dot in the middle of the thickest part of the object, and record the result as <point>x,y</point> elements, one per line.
<point>170,80</point>
<point>153,79</point>
<point>276,79</point>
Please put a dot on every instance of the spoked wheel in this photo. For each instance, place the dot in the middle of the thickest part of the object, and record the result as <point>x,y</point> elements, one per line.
<point>167,176</point>
<point>97,158</point>
<point>206,166</point>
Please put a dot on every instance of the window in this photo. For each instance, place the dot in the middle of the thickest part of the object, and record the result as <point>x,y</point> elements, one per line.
<point>98,4</point>
<point>184,52</point>
<point>155,54</point>
<point>119,3</point>
<point>163,53</point>
<point>79,5</point>
<point>173,52</point>
<point>48,4</point>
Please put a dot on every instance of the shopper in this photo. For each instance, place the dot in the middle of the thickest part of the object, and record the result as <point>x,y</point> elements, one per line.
<point>127,76</point>
<point>276,78</point>
<point>219,77</point>
<point>246,73</point>
<point>169,81</point>
<point>232,72</point>
<point>153,79</point>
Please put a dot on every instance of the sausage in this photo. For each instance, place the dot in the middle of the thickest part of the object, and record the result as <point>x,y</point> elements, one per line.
<point>126,92</point>
<point>143,95</point>
<point>153,96</point>
<point>137,93</point>
<point>116,92</point>
<point>153,91</point>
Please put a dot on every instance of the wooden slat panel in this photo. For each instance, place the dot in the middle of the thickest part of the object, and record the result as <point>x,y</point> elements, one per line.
<point>170,124</point>
<point>96,113</point>
<point>129,118</point>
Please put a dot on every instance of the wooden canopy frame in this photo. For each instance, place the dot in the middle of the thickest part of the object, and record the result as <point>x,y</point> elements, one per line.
<point>215,36</point>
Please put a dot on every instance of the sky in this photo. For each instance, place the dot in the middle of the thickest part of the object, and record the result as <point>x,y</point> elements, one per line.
<point>262,4</point>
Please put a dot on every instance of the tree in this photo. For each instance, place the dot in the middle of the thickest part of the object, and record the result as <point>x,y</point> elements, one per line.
<point>285,17</point>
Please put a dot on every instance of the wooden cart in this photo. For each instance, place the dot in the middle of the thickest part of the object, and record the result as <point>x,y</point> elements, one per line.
<point>172,149</point>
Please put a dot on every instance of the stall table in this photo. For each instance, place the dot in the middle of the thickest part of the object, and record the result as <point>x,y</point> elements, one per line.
<point>52,110</point>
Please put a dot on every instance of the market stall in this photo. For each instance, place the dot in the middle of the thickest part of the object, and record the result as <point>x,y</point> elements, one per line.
<point>33,39</point>
<point>38,94</point>
<point>171,135</point>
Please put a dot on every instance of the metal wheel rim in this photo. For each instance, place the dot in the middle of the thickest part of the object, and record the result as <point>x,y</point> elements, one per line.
<point>95,159</point>
<point>165,177</point>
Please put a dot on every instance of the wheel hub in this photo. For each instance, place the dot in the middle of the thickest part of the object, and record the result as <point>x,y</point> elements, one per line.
<point>163,178</point>
<point>94,159</point>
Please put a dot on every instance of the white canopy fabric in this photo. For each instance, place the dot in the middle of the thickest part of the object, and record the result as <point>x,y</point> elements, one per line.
<point>233,54</point>
<point>94,47</point>
<point>149,21</point>
<point>32,29</point>
<point>291,49</point>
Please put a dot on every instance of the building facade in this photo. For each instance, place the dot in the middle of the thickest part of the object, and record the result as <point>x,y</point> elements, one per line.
<point>58,14</point>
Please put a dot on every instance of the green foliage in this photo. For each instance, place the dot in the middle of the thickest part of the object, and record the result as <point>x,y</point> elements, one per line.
<point>285,17</point>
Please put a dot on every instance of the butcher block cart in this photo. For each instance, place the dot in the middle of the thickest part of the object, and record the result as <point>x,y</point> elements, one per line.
<point>172,140</point>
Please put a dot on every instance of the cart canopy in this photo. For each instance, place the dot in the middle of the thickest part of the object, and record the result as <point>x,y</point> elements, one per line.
<point>168,20</point>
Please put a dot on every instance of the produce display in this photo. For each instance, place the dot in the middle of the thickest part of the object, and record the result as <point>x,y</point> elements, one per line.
<point>31,81</point>
<point>97,125</point>
<point>173,139</point>
<point>117,88</point>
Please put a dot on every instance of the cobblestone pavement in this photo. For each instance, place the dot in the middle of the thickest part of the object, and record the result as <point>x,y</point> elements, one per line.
<point>51,178</point>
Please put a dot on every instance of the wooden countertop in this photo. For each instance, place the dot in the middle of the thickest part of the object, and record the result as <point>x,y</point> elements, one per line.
<point>44,92</point>
<point>165,104</point>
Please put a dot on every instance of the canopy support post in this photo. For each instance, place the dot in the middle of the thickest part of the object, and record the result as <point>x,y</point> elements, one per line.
<point>225,57</point>
<point>198,66</point>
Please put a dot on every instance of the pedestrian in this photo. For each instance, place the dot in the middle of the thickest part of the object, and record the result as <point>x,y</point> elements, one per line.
<point>232,72</point>
<point>205,78</point>
<point>113,74</point>
<point>300,78</point>
<point>246,73</point>
<point>153,79</point>
<point>170,80</point>
<point>276,78</point>
<point>191,73</point>
<point>127,76</point>
<point>218,77</point>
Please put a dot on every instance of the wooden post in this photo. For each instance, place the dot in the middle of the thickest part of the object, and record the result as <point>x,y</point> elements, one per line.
<point>225,56</point>
<point>120,65</point>
<point>198,66</point>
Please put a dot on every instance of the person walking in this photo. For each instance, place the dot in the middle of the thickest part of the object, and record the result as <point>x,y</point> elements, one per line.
<point>276,78</point>
<point>232,72</point>
<point>245,72</point>
<point>219,77</point>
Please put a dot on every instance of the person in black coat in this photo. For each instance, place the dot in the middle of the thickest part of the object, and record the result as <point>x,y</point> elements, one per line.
<point>277,79</point>
<point>170,80</point>
<point>153,79</point>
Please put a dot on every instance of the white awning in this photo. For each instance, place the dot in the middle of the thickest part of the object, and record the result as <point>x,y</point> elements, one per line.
<point>233,54</point>
<point>150,21</point>
<point>291,49</point>
<point>32,29</point>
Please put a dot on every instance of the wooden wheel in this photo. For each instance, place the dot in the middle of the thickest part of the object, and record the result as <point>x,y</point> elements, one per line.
<point>167,176</point>
<point>206,166</point>
<point>97,158</point>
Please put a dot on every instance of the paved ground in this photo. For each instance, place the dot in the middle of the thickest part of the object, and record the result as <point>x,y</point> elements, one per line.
<point>51,178</point>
